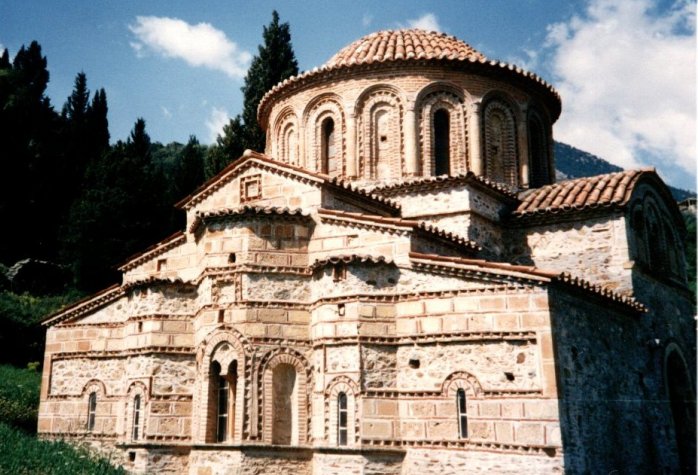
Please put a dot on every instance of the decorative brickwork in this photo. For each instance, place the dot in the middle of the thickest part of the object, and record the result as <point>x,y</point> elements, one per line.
<point>332,307</point>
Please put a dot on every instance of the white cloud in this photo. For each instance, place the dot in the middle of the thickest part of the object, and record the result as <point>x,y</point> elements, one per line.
<point>215,122</point>
<point>627,77</point>
<point>199,45</point>
<point>428,22</point>
<point>166,112</point>
<point>366,20</point>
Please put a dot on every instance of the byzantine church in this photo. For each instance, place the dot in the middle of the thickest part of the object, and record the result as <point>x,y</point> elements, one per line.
<point>396,285</point>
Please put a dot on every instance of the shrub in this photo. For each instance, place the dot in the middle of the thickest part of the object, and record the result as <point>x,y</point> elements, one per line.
<point>19,397</point>
<point>23,454</point>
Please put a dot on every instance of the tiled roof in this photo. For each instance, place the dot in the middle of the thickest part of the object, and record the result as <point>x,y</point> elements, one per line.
<point>430,183</point>
<point>601,191</point>
<point>251,157</point>
<point>414,226</point>
<point>534,273</point>
<point>276,211</point>
<point>155,250</point>
<point>393,45</point>
<point>386,47</point>
<point>84,305</point>
<point>349,258</point>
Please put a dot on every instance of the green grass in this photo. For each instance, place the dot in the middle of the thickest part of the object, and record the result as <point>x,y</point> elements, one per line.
<point>19,396</point>
<point>23,454</point>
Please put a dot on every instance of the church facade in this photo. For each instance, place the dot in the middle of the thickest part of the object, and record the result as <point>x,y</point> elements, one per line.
<point>397,285</point>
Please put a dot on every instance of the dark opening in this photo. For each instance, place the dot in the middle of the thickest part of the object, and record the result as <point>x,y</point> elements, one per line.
<point>441,143</point>
<point>509,376</point>
<point>340,309</point>
<point>132,456</point>
<point>683,410</point>
<point>414,363</point>
<point>462,414</point>
<point>221,316</point>
<point>91,410</point>
<point>135,434</point>
<point>329,162</point>
<point>342,413</point>
<point>232,258</point>
<point>538,154</point>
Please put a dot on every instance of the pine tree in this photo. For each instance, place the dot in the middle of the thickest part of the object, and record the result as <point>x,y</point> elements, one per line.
<point>275,61</point>
<point>75,108</point>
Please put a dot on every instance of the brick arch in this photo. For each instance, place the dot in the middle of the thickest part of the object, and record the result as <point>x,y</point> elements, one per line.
<point>267,364</point>
<point>286,137</point>
<point>435,97</point>
<point>94,385</point>
<point>500,151</point>
<point>318,109</point>
<point>210,350</point>
<point>348,386</point>
<point>374,100</point>
<point>541,169</point>
<point>461,380</point>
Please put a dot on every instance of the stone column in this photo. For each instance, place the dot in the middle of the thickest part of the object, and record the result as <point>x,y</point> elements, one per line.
<point>351,156</point>
<point>410,128</point>
<point>477,162</point>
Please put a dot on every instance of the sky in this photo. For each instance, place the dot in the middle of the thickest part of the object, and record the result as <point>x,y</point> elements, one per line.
<point>626,69</point>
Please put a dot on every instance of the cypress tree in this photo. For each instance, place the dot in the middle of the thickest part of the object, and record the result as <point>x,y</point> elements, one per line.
<point>274,62</point>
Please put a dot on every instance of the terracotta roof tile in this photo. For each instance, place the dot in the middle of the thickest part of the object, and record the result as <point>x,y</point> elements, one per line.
<point>350,258</point>
<point>403,45</point>
<point>438,182</point>
<point>522,271</point>
<point>613,189</point>
<point>276,211</point>
<point>155,250</point>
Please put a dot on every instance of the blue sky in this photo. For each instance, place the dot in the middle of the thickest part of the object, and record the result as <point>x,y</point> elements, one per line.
<point>625,69</point>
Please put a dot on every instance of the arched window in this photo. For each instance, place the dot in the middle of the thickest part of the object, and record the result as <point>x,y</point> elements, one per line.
<point>329,156</point>
<point>136,429</point>
<point>539,170</point>
<point>284,404</point>
<point>342,419</point>
<point>225,399</point>
<point>462,414</point>
<point>442,143</point>
<point>500,144</point>
<point>91,411</point>
<point>683,410</point>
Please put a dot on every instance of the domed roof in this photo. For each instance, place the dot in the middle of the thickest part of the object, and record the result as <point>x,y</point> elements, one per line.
<point>393,45</point>
<point>411,46</point>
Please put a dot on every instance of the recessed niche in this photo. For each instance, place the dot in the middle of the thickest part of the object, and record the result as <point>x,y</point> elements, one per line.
<point>414,363</point>
<point>340,309</point>
<point>232,258</point>
<point>509,376</point>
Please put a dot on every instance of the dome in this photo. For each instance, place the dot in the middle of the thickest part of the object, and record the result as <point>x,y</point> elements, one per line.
<point>394,45</point>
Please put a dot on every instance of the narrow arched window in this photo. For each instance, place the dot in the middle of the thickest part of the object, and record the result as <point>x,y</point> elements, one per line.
<point>329,158</point>
<point>136,430</point>
<point>442,143</point>
<point>91,410</point>
<point>539,170</point>
<point>284,405</point>
<point>222,421</point>
<point>500,143</point>
<point>462,414</point>
<point>342,419</point>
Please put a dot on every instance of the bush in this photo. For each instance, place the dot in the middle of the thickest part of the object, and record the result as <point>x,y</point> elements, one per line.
<point>21,334</point>
<point>23,454</point>
<point>19,397</point>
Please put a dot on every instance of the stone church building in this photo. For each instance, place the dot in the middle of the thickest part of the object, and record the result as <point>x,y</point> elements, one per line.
<point>397,285</point>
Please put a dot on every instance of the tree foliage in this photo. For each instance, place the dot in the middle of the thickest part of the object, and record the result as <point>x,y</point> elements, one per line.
<point>274,62</point>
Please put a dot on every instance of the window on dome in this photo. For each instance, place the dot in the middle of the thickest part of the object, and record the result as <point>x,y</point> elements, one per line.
<point>329,156</point>
<point>442,143</point>
<point>223,389</point>
<point>500,144</point>
<point>539,169</point>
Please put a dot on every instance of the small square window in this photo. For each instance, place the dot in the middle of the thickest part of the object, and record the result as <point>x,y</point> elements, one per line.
<point>162,264</point>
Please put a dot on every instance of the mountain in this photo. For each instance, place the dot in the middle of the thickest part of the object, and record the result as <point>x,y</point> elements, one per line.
<point>574,163</point>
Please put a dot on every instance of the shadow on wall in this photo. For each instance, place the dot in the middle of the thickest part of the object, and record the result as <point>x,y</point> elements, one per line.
<point>615,414</point>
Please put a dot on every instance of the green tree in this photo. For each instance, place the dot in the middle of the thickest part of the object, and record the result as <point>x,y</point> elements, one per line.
<point>274,62</point>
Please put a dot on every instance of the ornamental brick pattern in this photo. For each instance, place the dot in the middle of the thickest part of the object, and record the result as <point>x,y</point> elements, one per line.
<point>333,307</point>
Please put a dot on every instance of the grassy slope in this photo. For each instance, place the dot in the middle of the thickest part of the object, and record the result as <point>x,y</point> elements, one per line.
<point>21,452</point>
